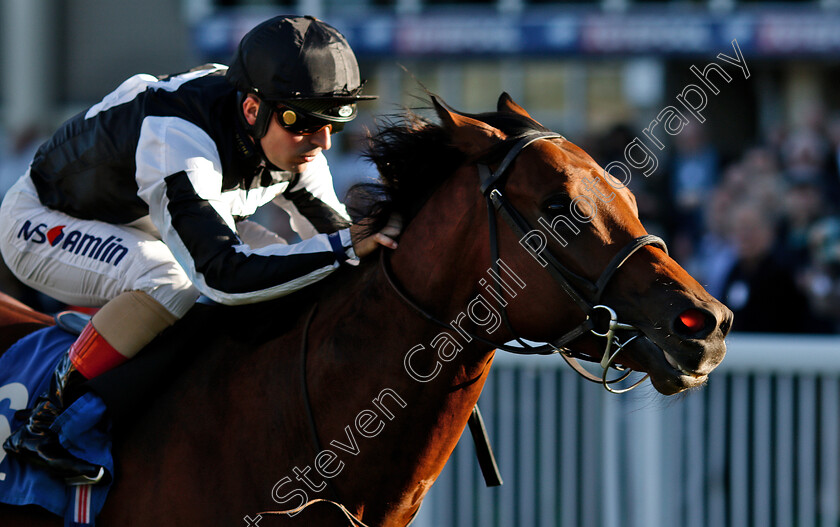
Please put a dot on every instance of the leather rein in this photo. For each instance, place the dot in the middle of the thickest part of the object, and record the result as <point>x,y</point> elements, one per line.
<point>491,186</point>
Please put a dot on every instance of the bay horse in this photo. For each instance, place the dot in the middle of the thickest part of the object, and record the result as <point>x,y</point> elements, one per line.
<point>357,390</point>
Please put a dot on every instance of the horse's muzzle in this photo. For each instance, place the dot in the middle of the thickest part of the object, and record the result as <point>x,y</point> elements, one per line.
<point>682,356</point>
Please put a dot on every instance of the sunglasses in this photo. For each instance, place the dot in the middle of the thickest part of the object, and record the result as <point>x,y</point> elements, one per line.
<point>301,124</point>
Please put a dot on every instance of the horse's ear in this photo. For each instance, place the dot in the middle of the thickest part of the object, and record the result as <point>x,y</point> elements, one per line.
<point>469,135</point>
<point>506,104</point>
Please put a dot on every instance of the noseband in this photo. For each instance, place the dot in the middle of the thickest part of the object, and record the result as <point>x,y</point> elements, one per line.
<point>585,293</point>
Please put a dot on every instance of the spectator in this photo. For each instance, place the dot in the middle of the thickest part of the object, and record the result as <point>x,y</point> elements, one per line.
<point>715,254</point>
<point>802,206</point>
<point>834,142</point>
<point>760,289</point>
<point>821,280</point>
<point>807,155</point>
<point>694,173</point>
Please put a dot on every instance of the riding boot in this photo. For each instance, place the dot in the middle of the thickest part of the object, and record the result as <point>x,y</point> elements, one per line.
<point>35,442</point>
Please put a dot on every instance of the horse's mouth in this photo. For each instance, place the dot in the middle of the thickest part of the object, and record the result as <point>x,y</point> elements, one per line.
<point>667,374</point>
<point>677,367</point>
<point>680,378</point>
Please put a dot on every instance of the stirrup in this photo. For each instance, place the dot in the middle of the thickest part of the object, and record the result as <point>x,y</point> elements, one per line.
<point>72,322</point>
<point>83,479</point>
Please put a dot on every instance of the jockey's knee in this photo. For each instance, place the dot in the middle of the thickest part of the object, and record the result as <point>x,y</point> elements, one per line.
<point>158,275</point>
<point>131,320</point>
<point>177,296</point>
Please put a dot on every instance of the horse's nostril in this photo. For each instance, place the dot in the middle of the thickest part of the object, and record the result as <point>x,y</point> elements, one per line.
<point>694,320</point>
<point>726,324</point>
<point>695,323</point>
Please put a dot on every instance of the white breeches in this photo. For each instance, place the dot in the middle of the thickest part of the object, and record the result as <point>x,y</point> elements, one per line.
<point>87,262</point>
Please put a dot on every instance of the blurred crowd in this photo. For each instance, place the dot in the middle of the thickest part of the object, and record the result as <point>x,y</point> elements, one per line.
<point>761,231</point>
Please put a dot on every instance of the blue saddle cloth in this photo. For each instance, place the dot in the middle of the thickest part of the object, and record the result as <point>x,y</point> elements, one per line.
<point>25,371</point>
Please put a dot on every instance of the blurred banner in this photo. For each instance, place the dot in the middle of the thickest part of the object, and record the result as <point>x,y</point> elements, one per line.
<point>769,33</point>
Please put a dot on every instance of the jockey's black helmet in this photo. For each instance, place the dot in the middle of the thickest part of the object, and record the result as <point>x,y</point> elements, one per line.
<point>302,62</point>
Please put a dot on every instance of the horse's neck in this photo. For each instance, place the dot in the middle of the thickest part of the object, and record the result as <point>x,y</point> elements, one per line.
<point>420,381</point>
<point>370,310</point>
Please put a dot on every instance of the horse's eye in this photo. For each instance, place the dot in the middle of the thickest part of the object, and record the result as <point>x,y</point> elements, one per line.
<point>556,204</point>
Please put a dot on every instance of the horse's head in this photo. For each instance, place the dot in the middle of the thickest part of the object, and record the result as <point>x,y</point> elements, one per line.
<point>570,231</point>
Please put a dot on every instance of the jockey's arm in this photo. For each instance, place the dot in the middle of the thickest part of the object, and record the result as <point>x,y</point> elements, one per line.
<point>311,202</point>
<point>313,207</point>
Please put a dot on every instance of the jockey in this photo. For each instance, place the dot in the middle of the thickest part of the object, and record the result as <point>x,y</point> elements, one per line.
<point>139,203</point>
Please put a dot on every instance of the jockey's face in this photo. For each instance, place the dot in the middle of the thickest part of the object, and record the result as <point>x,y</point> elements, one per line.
<point>290,151</point>
<point>286,150</point>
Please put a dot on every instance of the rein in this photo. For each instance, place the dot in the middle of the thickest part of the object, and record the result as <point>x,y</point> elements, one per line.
<point>491,186</point>
<point>304,346</point>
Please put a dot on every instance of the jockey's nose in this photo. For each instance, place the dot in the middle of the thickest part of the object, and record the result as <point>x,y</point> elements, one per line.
<point>322,138</point>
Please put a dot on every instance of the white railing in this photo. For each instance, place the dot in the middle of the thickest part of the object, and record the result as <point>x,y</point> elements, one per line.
<point>759,446</point>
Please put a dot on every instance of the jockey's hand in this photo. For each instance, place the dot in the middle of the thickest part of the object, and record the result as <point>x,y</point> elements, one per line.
<point>386,237</point>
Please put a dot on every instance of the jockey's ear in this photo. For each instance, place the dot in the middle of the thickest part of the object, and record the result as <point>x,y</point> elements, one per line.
<point>506,104</point>
<point>469,135</point>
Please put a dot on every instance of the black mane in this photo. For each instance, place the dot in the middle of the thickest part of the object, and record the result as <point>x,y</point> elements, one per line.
<point>414,156</point>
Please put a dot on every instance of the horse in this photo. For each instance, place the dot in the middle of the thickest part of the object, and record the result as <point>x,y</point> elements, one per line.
<point>340,404</point>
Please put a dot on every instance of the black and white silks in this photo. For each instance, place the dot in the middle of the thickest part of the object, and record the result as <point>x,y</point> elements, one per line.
<point>172,151</point>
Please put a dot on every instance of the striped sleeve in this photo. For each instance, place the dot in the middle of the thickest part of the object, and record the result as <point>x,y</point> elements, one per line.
<point>313,206</point>
<point>179,176</point>
<point>311,201</point>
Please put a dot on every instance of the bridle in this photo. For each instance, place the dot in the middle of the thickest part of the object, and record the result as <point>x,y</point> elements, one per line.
<point>491,186</point>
